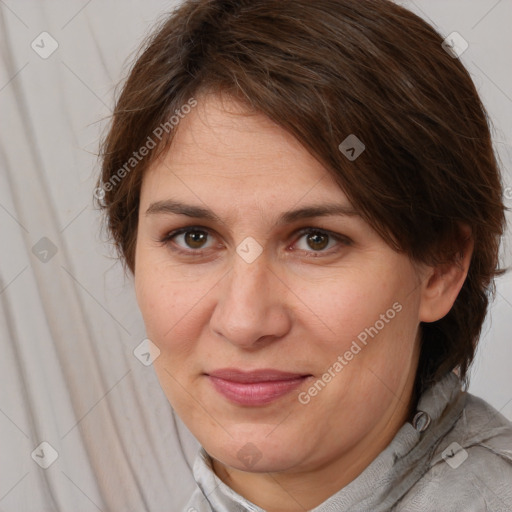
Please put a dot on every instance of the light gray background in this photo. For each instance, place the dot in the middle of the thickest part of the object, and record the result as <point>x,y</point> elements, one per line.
<point>68,326</point>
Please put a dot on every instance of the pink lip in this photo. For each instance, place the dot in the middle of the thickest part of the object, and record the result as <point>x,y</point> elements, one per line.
<point>258,387</point>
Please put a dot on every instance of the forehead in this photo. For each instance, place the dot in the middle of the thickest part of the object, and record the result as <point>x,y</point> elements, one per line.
<point>221,144</point>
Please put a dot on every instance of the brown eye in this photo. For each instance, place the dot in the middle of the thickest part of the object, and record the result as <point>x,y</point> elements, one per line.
<point>317,241</point>
<point>195,239</point>
<point>188,240</point>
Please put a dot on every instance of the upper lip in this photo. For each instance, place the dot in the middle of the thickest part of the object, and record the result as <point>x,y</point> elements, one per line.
<point>261,375</point>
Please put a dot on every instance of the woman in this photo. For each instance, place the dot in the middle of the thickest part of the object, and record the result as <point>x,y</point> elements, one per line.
<point>308,199</point>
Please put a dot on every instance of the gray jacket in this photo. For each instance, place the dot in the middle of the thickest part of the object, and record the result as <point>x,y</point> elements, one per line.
<point>456,458</point>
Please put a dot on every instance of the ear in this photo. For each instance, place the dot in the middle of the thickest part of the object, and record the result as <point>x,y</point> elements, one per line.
<point>441,284</point>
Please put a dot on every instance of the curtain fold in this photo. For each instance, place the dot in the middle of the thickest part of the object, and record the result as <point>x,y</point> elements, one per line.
<point>83,424</point>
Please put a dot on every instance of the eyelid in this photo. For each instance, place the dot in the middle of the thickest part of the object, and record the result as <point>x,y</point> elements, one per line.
<point>337,236</point>
<point>166,240</point>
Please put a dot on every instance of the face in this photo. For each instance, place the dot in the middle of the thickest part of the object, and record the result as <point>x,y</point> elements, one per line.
<point>250,257</point>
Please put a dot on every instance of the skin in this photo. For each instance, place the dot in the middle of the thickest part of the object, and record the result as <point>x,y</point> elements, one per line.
<point>296,308</point>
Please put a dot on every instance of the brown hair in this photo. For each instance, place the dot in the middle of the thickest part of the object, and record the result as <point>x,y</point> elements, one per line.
<point>323,70</point>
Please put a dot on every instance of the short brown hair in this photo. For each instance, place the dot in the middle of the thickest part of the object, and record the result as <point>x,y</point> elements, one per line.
<point>323,70</point>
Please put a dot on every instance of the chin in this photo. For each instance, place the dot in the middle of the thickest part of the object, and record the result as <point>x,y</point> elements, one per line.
<point>257,453</point>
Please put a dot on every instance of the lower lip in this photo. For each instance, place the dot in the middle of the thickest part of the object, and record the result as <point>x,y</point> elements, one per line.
<point>255,393</point>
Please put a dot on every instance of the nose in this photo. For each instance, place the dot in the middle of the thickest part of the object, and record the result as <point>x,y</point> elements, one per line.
<point>251,309</point>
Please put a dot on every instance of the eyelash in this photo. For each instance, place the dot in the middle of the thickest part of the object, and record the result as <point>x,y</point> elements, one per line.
<point>167,240</point>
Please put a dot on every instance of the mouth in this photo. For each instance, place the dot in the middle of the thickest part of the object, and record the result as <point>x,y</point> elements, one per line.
<point>258,387</point>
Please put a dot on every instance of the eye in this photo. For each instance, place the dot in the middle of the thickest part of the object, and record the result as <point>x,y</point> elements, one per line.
<point>194,240</point>
<point>317,240</point>
<point>188,240</point>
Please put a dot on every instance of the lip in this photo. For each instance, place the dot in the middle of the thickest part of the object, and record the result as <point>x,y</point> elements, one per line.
<point>257,387</point>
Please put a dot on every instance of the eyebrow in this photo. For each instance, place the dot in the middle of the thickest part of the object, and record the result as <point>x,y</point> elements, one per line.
<point>170,207</point>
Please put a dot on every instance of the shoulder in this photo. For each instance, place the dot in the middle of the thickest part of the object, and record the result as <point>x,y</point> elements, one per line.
<point>470,467</point>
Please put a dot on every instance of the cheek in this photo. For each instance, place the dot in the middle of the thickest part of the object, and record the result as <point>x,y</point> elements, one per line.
<point>173,310</point>
<point>161,303</point>
<point>371,320</point>
<point>347,304</point>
